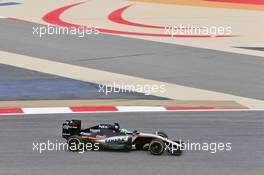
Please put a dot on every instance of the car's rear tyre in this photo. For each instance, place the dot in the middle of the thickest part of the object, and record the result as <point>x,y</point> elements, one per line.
<point>162,134</point>
<point>156,147</point>
<point>74,143</point>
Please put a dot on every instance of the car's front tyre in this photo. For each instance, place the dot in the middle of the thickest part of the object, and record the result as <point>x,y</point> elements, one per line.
<point>156,147</point>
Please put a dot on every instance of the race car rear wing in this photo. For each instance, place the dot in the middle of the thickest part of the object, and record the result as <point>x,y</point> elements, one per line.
<point>71,127</point>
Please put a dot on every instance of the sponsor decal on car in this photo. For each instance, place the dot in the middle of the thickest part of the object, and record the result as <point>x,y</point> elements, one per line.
<point>119,139</point>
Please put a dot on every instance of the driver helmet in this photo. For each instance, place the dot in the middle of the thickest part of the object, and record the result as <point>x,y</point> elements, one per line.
<point>116,126</point>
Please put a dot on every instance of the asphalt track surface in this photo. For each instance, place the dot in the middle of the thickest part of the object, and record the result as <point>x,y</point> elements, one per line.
<point>22,84</point>
<point>245,130</point>
<point>194,67</point>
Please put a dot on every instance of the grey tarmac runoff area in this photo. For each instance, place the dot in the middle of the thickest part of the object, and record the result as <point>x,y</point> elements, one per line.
<point>245,130</point>
<point>218,71</point>
<point>23,84</point>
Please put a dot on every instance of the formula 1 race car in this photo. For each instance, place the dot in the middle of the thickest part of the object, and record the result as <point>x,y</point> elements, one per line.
<point>111,137</point>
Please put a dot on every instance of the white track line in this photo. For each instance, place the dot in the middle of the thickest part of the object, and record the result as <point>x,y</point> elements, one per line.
<point>140,108</point>
<point>58,110</point>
